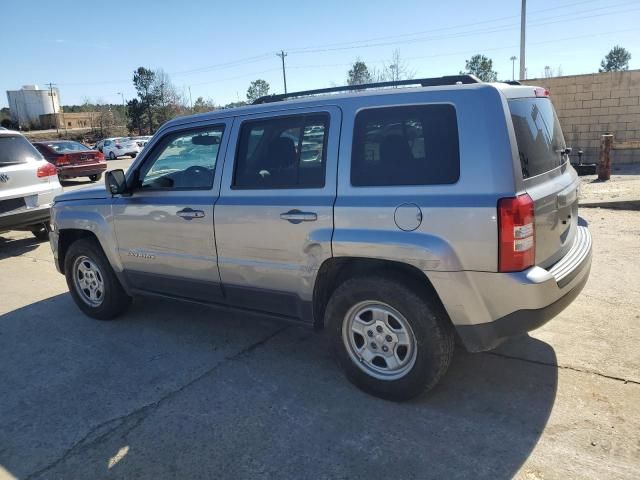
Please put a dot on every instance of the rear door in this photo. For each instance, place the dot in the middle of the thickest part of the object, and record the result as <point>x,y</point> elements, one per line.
<point>548,177</point>
<point>274,218</point>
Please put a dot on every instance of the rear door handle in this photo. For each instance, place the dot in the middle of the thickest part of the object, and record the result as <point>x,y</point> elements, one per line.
<point>296,216</point>
<point>190,214</point>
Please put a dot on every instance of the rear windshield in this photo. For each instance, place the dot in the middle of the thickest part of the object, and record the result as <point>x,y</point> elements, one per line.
<point>67,147</point>
<point>16,149</point>
<point>541,144</point>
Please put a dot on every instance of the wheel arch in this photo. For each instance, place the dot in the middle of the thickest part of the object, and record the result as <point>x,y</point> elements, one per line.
<point>334,271</point>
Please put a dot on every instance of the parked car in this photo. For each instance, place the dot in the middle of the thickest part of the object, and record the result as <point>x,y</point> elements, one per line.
<point>28,184</point>
<point>73,159</point>
<point>142,140</point>
<point>452,211</point>
<point>113,148</point>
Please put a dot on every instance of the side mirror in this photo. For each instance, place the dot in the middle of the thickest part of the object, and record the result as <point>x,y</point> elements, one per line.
<point>116,182</point>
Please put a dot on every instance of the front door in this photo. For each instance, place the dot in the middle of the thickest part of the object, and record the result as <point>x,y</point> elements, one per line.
<point>274,217</point>
<point>164,229</point>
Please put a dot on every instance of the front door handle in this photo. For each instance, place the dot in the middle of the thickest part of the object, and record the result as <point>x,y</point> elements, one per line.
<point>190,213</point>
<point>296,216</point>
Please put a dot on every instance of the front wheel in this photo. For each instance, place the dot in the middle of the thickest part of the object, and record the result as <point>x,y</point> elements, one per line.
<point>112,156</point>
<point>96,177</point>
<point>92,282</point>
<point>392,340</point>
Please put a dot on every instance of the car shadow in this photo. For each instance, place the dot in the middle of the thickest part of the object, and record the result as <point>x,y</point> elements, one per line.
<point>187,391</point>
<point>10,247</point>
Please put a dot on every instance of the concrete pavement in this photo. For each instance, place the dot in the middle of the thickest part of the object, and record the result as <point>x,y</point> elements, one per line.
<point>184,391</point>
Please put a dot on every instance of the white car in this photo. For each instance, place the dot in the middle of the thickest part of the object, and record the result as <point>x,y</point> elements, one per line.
<point>142,140</point>
<point>113,148</point>
<point>28,184</point>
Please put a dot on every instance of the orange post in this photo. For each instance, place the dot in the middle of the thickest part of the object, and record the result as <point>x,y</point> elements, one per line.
<point>604,166</point>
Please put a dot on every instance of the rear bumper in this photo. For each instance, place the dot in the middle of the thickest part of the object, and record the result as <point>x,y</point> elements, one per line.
<point>73,171</point>
<point>487,308</point>
<point>25,218</point>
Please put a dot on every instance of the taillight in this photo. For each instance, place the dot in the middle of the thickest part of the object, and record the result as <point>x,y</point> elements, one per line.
<point>100,156</point>
<point>47,170</point>
<point>516,233</point>
<point>63,160</point>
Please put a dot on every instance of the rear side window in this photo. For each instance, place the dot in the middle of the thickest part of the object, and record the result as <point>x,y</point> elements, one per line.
<point>16,149</point>
<point>285,152</point>
<point>415,145</point>
<point>540,141</point>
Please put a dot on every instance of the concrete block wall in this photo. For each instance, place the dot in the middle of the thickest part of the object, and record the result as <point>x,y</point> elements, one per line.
<point>593,104</point>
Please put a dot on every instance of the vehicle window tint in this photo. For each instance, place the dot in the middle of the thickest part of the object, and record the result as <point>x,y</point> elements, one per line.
<point>539,136</point>
<point>185,160</point>
<point>16,149</point>
<point>415,145</point>
<point>282,153</point>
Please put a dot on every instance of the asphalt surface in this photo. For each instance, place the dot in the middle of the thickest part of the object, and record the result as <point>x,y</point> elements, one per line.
<point>181,391</point>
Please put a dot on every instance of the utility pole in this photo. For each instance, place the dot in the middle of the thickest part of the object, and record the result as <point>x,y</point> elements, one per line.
<point>284,73</point>
<point>53,105</point>
<point>124,108</point>
<point>190,99</point>
<point>513,67</point>
<point>523,24</point>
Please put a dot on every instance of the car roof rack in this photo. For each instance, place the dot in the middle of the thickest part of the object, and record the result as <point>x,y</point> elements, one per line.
<point>423,82</point>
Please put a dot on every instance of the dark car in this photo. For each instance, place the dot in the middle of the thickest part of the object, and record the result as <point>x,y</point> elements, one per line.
<point>72,159</point>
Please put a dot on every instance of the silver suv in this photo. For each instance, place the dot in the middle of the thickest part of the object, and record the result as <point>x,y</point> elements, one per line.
<point>398,218</point>
<point>28,184</point>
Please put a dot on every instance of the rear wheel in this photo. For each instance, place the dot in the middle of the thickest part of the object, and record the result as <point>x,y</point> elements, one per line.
<point>391,340</point>
<point>92,282</point>
<point>112,156</point>
<point>133,155</point>
<point>96,177</point>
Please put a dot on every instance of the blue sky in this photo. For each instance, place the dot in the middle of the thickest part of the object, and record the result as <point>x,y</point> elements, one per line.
<point>90,49</point>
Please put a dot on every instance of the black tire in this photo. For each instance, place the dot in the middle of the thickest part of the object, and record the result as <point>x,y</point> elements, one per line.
<point>114,300</point>
<point>41,232</point>
<point>133,155</point>
<point>112,156</point>
<point>429,323</point>
<point>96,177</point>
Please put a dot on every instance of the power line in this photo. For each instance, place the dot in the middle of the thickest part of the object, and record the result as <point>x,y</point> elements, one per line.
<point>489,30</point>
<point>465,52</point>
<point>453,27</point>
<point>495,29</point>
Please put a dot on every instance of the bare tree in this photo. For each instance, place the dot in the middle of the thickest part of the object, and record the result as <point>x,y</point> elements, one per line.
<point>396,70</point>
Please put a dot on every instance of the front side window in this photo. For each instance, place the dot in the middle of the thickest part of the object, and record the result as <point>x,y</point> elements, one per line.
<point>413,145</point>
<point>285,152</point>
<point>184,160</point>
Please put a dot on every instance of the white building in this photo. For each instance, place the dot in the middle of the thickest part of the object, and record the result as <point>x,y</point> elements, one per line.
<point>28,103</point>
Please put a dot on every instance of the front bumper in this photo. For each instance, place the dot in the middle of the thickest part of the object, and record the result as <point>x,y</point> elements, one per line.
<point>487,308</point>
<point>25,218</point>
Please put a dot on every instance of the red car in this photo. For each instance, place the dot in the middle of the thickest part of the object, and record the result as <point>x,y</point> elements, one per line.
<point>72,159</point>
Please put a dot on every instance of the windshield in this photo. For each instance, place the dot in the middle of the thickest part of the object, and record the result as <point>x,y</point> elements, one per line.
<point>66,147</point>
<point>541,145</point>
<point>16,149</point>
